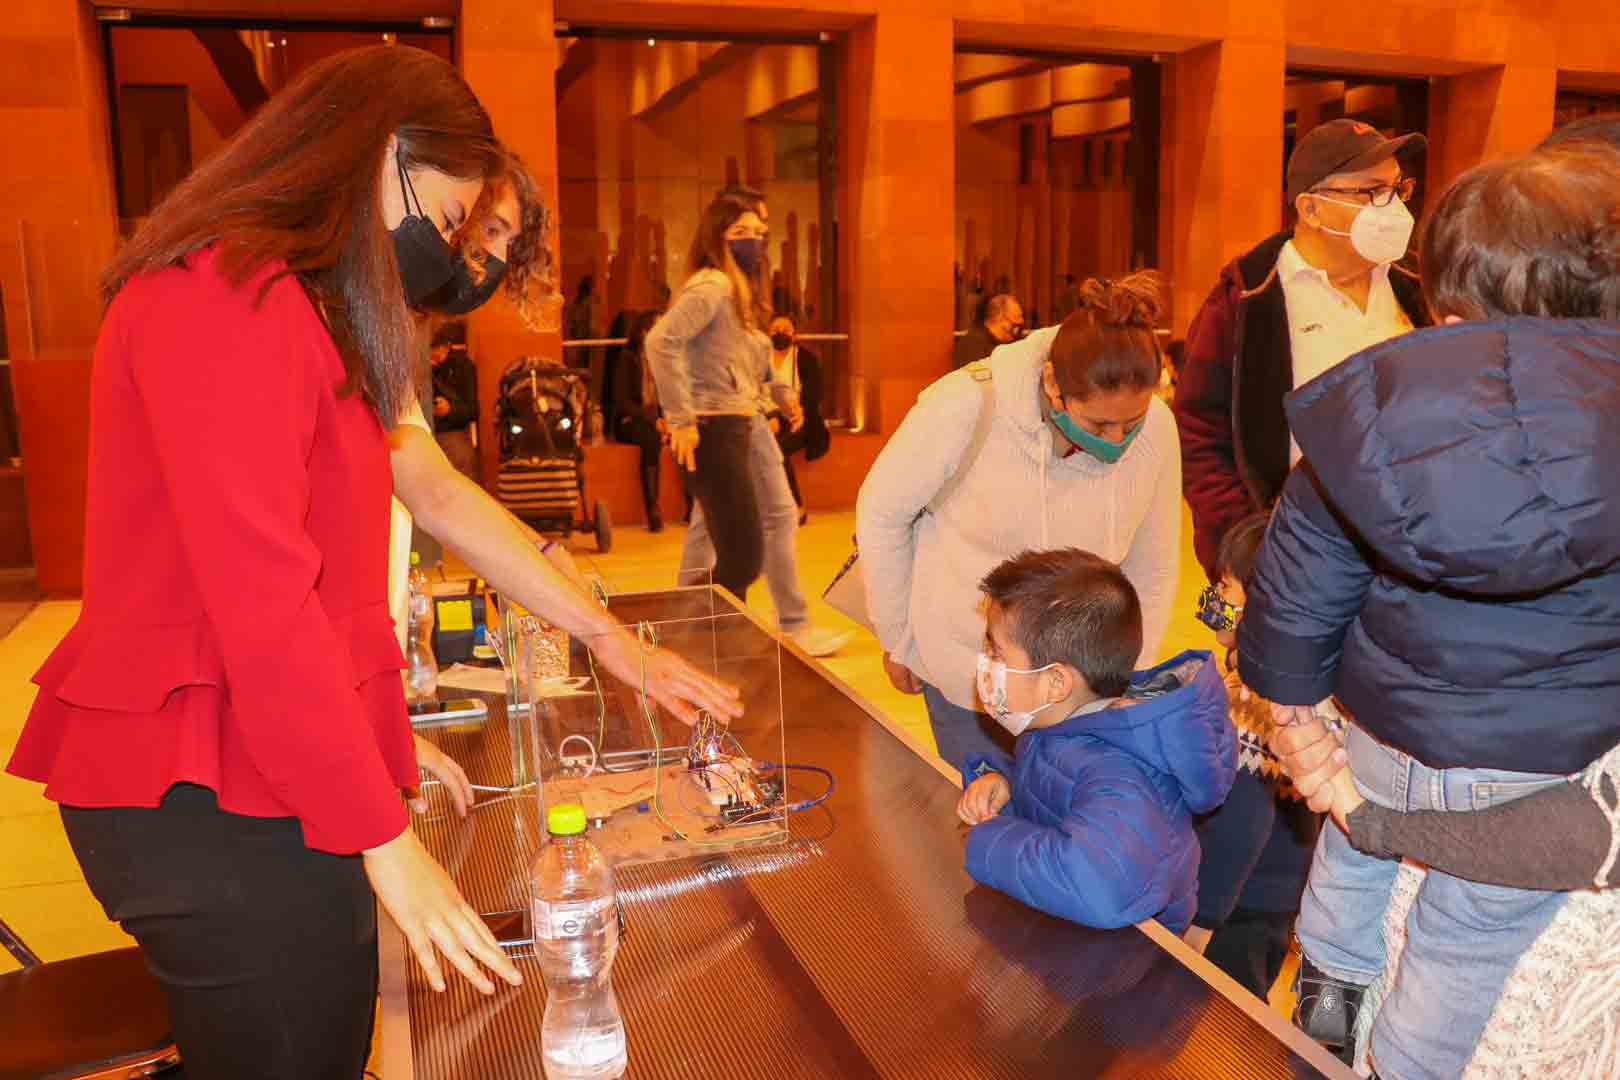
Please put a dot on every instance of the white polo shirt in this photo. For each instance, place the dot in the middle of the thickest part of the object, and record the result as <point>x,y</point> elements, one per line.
<point>1325,326</point>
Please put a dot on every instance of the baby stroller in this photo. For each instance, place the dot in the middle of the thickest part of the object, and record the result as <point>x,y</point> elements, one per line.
<point>539,415</point>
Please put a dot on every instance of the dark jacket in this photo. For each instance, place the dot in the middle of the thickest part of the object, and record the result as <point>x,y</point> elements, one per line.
<point>1449,562</point>
<point>976,344</point>
<point>817,439</point>
<point>1239,365</point>
<point>456,380</point>
<point>1099,830</point>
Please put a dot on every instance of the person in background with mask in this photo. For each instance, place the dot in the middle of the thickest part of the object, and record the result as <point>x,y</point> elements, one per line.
<point>455,397</point>
<point>796,385</point>
<point>779,409</point>
<point>1057,440</point>
<point>1003,322</point>
<point>1091,818</point>
<point>1289,310</point>
<point>707,369</point>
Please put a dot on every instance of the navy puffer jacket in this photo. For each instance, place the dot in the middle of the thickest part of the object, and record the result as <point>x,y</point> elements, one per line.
<point>1448,560</point>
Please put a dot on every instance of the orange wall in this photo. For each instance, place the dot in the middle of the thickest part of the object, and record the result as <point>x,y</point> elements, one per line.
<point>1496,62</point>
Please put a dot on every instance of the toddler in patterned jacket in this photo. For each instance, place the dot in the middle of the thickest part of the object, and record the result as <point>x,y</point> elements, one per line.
<point>1257,845</point>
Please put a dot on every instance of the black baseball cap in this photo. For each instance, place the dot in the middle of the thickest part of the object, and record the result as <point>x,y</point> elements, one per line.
<point>1340,146</point>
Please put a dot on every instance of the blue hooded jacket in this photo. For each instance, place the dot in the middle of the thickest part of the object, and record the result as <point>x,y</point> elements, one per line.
<point>1449,561</point>
<point>1099,829</point>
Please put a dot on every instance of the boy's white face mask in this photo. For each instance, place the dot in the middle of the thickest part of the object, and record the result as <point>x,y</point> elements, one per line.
<point>992,685</point>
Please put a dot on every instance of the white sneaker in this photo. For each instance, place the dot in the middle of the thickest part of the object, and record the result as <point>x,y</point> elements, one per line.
<point>819,642</point>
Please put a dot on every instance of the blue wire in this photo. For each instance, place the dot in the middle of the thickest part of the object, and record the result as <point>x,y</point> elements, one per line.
<point>793,808</point>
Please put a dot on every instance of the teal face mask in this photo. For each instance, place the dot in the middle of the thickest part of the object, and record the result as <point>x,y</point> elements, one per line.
<point>1098,447</point>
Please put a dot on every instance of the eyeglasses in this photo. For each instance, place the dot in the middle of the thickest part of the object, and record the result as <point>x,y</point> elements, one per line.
<point>1379,194</point>
<point>1214,612</point>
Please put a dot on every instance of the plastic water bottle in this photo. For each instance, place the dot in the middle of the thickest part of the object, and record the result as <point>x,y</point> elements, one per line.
<point>421,668</point>
<point>576,934</point>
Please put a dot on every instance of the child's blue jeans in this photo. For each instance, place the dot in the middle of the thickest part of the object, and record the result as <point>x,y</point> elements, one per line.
<point>1462,938</point>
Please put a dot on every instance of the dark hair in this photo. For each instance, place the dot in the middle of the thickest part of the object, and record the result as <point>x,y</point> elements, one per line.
<point>635,333</point>
<point>299,184</point>
<point>451,333</point>
<point>1108,343</point>
<point>997,305</point>
<point>1601,129</point>
<point>1535,235</point>
<point>528,284</point>
<point>751,197</point>
<point>1069,606</point>
<point>1240,547</point>
<point>709,251</point>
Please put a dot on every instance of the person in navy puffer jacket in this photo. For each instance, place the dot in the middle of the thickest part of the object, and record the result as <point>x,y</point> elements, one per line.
<point>1091,818</point>
<point>1447,562</point>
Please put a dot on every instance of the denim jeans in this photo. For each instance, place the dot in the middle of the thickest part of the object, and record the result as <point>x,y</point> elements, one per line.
<point>959,732</point>
<point>1462,938</point>
<point>780,523</point>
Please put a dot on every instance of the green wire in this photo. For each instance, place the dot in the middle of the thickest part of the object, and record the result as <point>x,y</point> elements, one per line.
<point>646,635</point>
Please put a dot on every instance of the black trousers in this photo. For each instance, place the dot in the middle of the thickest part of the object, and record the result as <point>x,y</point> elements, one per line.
<point>791,443</point>
<point>642,433</point>
<point>1257,851</point>
<point>266,950</point>
<point>724,488</point>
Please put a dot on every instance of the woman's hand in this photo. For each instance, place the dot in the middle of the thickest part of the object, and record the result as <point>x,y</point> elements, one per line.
<point>672,682</point>
<point>427,907</point>
<point>436,763</point>
<point>1312,756</point>
<point>903,678</point>
<point>683,443</point>
<point>984,798</point>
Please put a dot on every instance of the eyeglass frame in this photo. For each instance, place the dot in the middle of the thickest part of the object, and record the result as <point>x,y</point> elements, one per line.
<point>1409,183</point>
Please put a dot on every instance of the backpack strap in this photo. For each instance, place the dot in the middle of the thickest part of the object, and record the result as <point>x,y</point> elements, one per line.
<point>980,372</point>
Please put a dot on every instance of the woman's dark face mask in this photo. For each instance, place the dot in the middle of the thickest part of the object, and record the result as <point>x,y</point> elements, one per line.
<point>461,295</point>
<point>426,261</point>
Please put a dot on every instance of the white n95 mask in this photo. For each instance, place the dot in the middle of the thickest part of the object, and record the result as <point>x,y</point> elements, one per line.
<point>1379,234</point>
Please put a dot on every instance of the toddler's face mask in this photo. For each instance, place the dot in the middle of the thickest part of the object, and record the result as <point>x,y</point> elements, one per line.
<point>992,685</point>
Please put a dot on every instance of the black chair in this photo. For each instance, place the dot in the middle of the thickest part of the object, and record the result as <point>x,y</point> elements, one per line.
<point>96,1017</point>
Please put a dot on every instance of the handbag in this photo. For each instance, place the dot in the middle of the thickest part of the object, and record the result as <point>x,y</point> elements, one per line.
<point>847,592</point>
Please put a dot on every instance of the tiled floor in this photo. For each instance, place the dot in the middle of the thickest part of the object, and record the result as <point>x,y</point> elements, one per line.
<point>42,894</point>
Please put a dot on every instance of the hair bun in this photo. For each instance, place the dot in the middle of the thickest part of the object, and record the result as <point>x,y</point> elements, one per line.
<point>1134,301</point>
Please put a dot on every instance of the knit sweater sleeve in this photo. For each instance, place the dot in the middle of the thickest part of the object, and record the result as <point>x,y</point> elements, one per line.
<point>1153,561</point>
<point>908,473</point>
<point>1556,839</point>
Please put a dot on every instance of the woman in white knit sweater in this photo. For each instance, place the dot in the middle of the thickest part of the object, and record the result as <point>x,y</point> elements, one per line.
<point>1054,441</point>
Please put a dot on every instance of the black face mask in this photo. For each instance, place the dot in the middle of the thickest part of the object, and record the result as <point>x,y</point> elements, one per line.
<point>426,261</point>
<point>749,251</point>
<point>781,342</point>
<point>461,295</point>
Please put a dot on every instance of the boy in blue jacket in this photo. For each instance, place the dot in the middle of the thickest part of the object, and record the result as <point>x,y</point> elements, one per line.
<point>1091,818</point>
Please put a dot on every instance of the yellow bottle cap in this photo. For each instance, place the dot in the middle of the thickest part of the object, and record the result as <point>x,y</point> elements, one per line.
<point>566,819</point>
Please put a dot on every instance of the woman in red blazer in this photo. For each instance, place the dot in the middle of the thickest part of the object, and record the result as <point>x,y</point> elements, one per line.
<point>224,727</point>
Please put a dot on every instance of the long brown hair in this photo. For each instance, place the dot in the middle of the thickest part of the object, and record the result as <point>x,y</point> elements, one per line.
<point>710,251</point>
<point>1108,344</point>
<point>300,185</point>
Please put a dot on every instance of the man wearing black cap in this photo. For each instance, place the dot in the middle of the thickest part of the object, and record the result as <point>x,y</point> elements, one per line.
<point>1289,310</point>
<point>1286,312</point>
